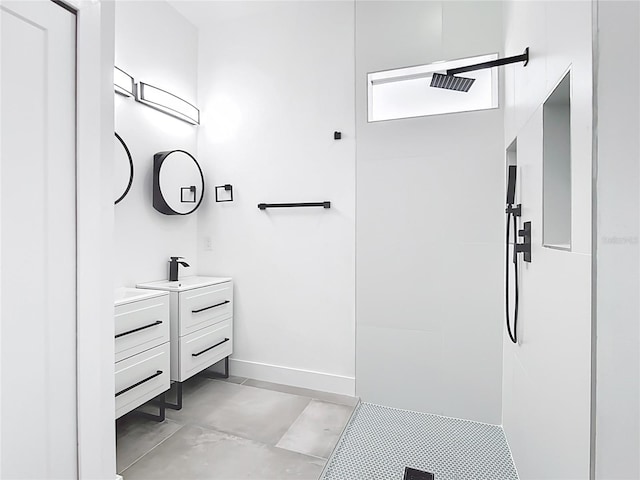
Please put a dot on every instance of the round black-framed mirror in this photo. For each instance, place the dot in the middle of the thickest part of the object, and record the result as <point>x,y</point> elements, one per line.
<point>178,183</point>
<point>123,174</point>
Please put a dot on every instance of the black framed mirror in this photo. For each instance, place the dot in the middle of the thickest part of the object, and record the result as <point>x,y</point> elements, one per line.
<point>123,172</point>
<point>178,183</point>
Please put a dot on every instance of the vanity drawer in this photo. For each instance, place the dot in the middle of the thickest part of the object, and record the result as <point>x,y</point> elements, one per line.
<point>205,347</point>
<point>140,326</point>
<point>201,307</point>
<point>141,377</point>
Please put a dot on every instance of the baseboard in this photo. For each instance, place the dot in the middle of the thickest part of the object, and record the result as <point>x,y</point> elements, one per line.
<point>325,382</point>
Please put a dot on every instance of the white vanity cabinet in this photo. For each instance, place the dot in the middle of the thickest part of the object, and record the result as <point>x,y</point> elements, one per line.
<point>201,311</point>
<point>142,349</point>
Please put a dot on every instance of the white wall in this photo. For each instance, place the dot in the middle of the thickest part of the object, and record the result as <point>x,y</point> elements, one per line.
<point>618,313</point>
<point>276,80</point>
<point>430,203</point>
<point>156,45</point>
<point>95,117</point>
<point>546,387</point>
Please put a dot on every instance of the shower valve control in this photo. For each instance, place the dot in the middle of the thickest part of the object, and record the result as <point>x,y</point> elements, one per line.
<point>525,246</point>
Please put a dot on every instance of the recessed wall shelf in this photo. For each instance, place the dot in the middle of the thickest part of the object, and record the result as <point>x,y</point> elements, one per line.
<point>556,167</point>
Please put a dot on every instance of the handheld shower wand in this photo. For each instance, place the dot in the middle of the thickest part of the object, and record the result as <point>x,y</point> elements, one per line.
<point>512,212</point>
<point>524,247</point>
<point>511,185</point>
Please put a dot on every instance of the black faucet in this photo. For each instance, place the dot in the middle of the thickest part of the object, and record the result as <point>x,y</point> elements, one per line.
<point>173,268</point>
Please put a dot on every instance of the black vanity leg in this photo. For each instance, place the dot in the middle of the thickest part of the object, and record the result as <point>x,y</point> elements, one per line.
<point>162,406</point>
<point>178,404</point>
<point>209,374</point>
<point>159,401</point>
<point>226,367</point>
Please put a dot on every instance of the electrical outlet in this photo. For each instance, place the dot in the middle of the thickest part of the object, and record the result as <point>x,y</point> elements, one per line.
<point>208,243</point>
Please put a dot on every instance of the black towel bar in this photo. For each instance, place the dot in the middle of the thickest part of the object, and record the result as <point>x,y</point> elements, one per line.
<point>264,206</point>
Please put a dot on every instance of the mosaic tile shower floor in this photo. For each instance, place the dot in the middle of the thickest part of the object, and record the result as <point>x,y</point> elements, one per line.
<point>379,442</point>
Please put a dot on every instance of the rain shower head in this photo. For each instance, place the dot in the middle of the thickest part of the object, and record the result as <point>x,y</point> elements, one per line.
<point>463,84</point>
<point>450,82</point>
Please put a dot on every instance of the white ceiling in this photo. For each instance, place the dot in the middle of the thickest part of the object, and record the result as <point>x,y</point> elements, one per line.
<point>207,13</point>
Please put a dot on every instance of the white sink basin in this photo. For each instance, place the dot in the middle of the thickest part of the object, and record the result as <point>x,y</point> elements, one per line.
<point>185,283</point>
<point>124,295</point>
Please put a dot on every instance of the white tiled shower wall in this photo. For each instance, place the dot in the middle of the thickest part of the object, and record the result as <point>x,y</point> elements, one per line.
<point>546,384</point>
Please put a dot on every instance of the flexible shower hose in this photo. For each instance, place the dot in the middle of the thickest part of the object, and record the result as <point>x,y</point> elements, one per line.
<point>512,335</point>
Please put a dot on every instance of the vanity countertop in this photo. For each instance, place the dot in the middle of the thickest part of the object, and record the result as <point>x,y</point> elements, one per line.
<point>124,295</point>
<point>185,283</point>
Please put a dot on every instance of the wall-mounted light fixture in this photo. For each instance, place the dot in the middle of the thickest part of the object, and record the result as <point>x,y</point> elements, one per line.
<point>166,102</point>
<point>122,82</point>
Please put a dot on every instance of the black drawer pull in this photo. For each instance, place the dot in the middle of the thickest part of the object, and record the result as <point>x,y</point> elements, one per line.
<point>207,349</point>
<point>212,306</point>
<point>157,322</point>
<point>159,372</point>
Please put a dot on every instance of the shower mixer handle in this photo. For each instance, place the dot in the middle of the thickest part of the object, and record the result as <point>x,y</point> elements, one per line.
<point>526,231</point>
<point>525,246</point>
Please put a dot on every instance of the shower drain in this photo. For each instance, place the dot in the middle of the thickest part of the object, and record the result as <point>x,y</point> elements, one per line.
<point>414,474</point>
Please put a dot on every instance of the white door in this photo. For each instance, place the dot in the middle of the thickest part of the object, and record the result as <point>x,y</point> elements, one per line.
<point>37,241</point>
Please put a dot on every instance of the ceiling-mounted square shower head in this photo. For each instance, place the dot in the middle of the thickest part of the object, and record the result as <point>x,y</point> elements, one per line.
<point>450,82</point>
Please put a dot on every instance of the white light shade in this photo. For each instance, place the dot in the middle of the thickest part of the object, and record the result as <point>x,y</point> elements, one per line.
<point>168,103</point>
<point>122,82</point>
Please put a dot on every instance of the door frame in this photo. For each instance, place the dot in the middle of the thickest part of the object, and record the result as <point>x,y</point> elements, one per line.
<point>95,45</point>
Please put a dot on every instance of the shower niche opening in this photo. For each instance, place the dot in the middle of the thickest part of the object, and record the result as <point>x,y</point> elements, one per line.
<point>556,167</point>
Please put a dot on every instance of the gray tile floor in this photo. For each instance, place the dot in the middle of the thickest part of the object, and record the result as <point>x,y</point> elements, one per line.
<point>235,429</point>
